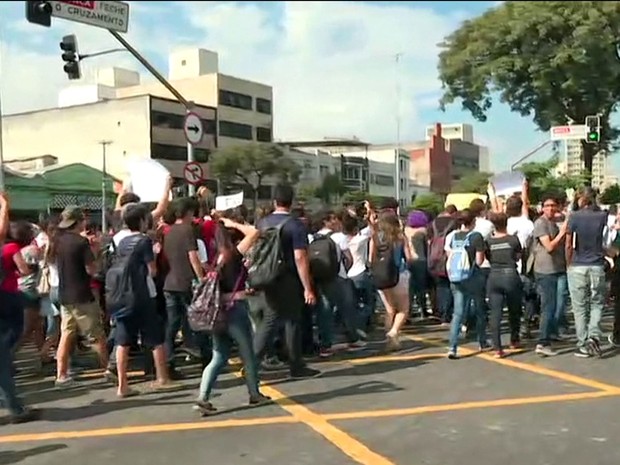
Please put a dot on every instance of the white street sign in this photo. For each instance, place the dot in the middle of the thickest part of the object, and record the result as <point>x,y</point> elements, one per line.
<point>100,13</point>
<point>192,172</point>
<point>193,128</point>
<point>574,132</point>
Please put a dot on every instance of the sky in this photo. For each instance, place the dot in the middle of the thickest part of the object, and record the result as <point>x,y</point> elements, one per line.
<point>331,64</point>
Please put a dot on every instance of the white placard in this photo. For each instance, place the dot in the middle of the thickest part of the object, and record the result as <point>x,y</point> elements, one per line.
<point>226,202</point>
<point>507,183</point>
<point>148,179</point>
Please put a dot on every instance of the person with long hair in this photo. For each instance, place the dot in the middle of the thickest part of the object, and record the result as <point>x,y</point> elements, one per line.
<point>233,240</point>
<point>387,230</point>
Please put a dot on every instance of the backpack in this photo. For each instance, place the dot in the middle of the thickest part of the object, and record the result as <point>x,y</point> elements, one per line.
<point>384,270</point>
<point>323,258</point>
<point>106,258</point>
<point>437,258</point>
<point>459,267</point>
<point>266,261</point>
<point>120,298</point>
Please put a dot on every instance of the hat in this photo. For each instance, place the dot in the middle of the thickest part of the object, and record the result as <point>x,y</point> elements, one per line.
<point>417,219</point>
<point>70,216</point>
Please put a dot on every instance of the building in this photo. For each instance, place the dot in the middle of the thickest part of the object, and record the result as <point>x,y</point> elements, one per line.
<point>459,131</point>
<point>139,126</point>
<point>574,166</point>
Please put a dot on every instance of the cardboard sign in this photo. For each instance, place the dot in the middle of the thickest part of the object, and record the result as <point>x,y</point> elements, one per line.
<point>226,202</point>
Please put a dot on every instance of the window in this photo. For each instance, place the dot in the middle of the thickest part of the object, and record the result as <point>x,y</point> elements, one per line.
<point>263,106</point>
<point>351,173</point>
<point>174,152</point>
<point>166,120</point>
<point>236,130</point>
<point>402,185</point>
<point>263,134</point>
<point>209,126</point>
<point>383,180</point>
<point>235,100</point>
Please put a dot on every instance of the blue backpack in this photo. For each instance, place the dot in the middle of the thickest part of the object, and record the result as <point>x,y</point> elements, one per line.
<point>458,266</point>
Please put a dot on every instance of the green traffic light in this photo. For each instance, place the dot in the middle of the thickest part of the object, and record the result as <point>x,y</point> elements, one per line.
<point>593,136</point>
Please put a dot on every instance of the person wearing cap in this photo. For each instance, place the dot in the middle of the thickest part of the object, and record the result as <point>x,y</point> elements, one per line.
<point>79,311</point>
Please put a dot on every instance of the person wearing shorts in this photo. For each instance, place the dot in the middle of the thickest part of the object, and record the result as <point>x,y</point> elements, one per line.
<point>79,312</point>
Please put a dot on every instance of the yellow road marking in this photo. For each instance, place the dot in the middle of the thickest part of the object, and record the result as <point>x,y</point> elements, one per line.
<point>466,406</point>
<point>161,428</point>
<point>532,368</point>
<point>343,441</point>
<point>381,359</point>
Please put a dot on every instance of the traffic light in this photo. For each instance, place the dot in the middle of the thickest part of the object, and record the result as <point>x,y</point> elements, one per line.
<point>39,13</point>
<point>593,129</point>
<point>71,57</point>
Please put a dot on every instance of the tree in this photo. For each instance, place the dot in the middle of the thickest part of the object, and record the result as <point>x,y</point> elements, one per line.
<point>353,197</point>
<point>430,203</point>
<point>330,187</point>
<point>476,181</point>
<point>251,164</point>
<point>542,179</point>
<point>554,61</point>
<point>611,195</point>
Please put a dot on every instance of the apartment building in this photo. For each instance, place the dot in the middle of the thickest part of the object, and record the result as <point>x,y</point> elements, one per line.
<point>573,163</point>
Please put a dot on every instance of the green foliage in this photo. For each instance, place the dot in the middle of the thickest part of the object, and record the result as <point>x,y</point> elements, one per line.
<point>550,60</point>
<point>252,163</point>
<point>611,195</point>
<point>330,187</point>
<point>474,182</point>
<point>431,203</point>
<point>540,176</point>
<point>354,197</point>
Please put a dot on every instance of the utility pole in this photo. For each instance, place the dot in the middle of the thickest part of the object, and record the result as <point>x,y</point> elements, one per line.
<point>397,58</point>
<point>186,103</point>
<point>2,186</point>
<point>104,222</point>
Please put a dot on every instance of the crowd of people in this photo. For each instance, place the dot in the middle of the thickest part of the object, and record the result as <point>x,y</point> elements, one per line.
<point>285,299</point>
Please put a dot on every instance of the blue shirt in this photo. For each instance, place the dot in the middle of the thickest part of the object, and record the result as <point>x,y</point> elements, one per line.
<point>588,228</point>
<point>294,235</point>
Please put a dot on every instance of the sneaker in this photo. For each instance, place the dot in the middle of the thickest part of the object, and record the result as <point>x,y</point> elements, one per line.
<point>452,354</point>
<point>65,383</point>
<point>204,408</point>
<point>582,352</point>
<point>357,345</point>
<point>326,352</point>
<point>516,345</point>
<point>594,347</point>
<point>305,373</point>
<point>25,416</point>
<point>362,334</point>
<point>615,343</point>
<point>260,400</point>
<point>545,351</point>
<point>499,354</point>
<point>111,376</point>
<point>484,347</point>
<point>272,363</point>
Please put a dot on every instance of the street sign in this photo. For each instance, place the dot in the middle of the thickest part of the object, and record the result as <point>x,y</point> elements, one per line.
<point>574,132</point>
<point>107,14</point>
<point>193,128</point>
<point>192,172</point>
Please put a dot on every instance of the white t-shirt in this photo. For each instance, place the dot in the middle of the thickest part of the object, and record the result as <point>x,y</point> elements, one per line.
<point>358,247</point>
<point>522,227</point>
<point>486,229</point>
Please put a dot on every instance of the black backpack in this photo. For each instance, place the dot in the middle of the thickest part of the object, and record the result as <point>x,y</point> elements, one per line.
<point>323,258</point>
<point>266,261</point>
<point>383,269</point>
<point>107,252</point>
<point>120,295</point>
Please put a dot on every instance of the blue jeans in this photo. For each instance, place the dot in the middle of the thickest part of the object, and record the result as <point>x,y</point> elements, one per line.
<point>445,301</point>
<point>552,291</point>
<point>336,293</point>
<point>473,290</point>
<point>11,328</point>
<point>587,292</point>
<point>366,295</point>
<point>239,331</point>
<point>176,312</point>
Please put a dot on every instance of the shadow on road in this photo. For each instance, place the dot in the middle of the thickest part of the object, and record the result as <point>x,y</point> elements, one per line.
<point>16,456</point>
<point>368,388</point>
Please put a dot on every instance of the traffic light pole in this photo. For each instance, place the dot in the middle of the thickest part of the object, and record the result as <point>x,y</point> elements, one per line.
<point>151,69</point>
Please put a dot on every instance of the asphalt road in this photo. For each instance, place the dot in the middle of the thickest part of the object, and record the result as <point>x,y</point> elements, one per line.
<point>411,408</point>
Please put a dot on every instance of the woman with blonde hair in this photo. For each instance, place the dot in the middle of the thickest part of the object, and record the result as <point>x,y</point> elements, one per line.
<point>389,254</point>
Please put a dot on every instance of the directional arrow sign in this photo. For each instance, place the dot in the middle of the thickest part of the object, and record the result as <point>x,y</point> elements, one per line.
<point>193,128</point>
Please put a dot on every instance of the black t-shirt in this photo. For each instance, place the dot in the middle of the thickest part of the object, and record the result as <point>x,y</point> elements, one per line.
<point>233,273</point>
<point>476,243</point>
<point>141,246</point>
<point>294,235</point>
<point>503,252</point>
<point>179,241</point>
<point>73,254</point>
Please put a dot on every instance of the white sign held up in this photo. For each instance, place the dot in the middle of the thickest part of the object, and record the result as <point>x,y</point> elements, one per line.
<point>107,14</point>
<point>226,202</point>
